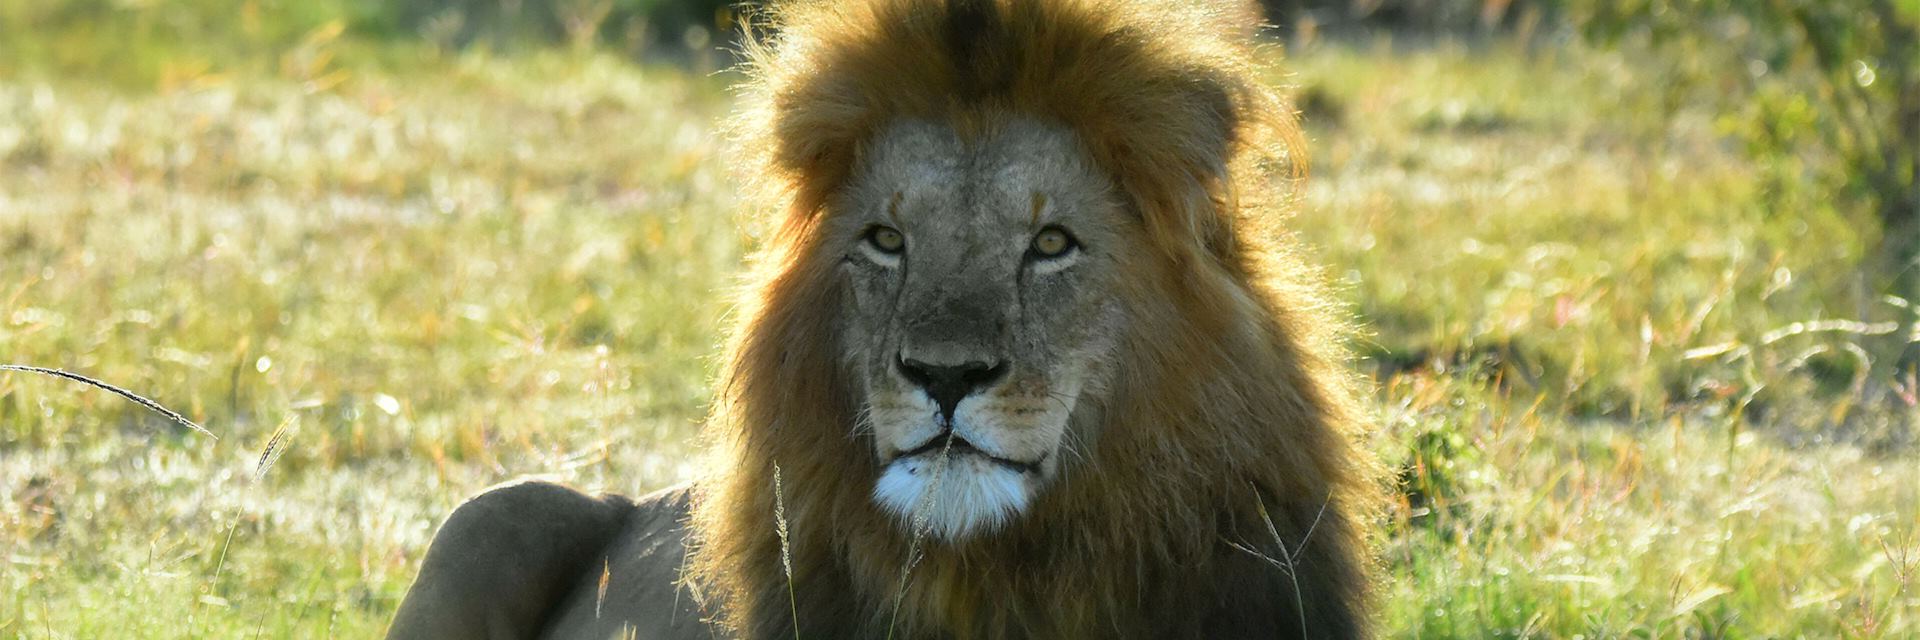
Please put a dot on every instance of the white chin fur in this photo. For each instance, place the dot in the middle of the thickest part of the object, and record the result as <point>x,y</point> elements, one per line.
<point>973,495</point>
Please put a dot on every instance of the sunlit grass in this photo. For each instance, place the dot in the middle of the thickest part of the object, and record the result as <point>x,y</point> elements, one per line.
<point>472,267</point>
<point>486,269</point>
<point>1550,274</point>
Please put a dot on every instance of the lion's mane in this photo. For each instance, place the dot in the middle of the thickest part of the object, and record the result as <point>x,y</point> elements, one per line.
<point>1231,423</point>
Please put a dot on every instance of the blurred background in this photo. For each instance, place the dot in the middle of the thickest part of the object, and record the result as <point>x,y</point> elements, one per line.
<point>1638,279</point>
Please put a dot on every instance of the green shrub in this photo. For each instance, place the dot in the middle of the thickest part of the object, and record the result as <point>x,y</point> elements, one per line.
<point>1825,97</point>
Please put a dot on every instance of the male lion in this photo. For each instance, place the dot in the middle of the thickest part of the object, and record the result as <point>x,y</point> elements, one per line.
<point>1021,350</point>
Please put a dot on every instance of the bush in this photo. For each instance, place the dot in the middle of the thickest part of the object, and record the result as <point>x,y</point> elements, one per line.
<point>1824,95</point>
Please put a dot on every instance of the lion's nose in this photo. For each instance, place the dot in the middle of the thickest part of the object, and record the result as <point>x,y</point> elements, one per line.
<point>948,384</point>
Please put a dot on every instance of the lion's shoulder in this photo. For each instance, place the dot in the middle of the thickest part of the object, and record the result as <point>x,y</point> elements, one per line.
<point>636,588</point>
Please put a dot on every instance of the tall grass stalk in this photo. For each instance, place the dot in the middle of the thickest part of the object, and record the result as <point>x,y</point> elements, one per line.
<point>219,566</point>
<point>921,523</point>
<point>786,548</point>
<point>136,398</point>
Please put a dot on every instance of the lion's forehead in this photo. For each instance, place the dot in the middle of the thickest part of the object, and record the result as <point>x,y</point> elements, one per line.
<point>928,175</point>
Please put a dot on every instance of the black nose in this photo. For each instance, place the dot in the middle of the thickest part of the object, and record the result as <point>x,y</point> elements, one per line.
<point>948,384</point>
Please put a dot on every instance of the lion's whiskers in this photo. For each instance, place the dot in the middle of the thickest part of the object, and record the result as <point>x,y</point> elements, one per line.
<point>1070,443</point>
<point>862,422</point>
<point>1070,439</point>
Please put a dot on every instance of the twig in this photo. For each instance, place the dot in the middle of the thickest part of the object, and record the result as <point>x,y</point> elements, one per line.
<point>136,398</point>
<point>1311,525</point>
<point>1292,569</point>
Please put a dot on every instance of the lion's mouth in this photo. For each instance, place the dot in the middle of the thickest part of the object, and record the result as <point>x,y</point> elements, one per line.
<point>960,446</point>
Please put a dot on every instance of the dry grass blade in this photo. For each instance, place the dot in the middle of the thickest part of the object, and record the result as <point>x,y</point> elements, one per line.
<point>786,547</point>
<point>600,591</point>
<point>276,445</point>
<point>920,526</point>
<point>136,398</point>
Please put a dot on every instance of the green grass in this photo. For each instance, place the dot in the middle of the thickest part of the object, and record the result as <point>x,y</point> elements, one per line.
<point>447,270</point>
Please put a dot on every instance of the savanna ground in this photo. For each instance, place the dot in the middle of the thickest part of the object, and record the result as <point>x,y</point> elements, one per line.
<point>1616,368</point>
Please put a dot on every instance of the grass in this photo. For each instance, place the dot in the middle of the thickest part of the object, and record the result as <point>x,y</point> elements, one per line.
<point>423,273</point>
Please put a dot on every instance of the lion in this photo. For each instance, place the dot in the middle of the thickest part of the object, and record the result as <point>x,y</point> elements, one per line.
<point>1024,355</point>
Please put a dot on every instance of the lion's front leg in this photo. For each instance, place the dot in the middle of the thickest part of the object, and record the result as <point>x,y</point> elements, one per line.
<point>504,559</point>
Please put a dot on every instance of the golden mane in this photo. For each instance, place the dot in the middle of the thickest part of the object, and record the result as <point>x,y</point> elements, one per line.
<point>1232,420</point>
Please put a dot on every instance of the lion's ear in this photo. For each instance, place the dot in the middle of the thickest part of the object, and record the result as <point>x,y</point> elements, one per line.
<point>1174,160</point>
<point>816,131</point>
<point>1232,159</point>
<point>1214,198</point>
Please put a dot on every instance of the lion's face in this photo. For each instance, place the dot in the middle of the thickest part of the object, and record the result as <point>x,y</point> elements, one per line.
<point>982,311</point>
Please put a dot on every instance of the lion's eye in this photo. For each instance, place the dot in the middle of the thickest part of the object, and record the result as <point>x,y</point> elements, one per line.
<point>1052,242</point>
<point>887,240</point>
